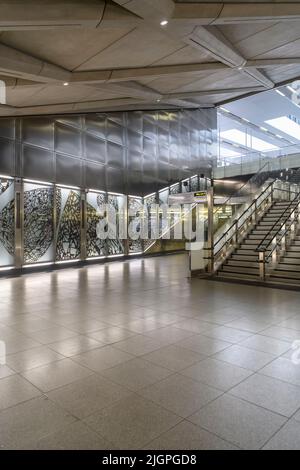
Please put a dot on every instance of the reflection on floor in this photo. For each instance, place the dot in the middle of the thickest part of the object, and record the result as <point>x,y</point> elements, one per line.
<point>135,355</point>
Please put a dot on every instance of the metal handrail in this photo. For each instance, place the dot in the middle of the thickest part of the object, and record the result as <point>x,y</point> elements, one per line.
<point>263,259</point>
<point>242,186</point>
<point>261,245</point>
<point>246,210</point>
<point>279,240</point>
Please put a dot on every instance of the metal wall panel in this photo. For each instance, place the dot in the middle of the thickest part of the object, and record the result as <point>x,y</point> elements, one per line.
<point>133,152</point>
<point>68,170</point>
<point>7,157</point>
<point>95,176</point>
<point>95,148</point>
<point>68,140</point>
<point>38,163</point>
<point>7,128</point>
<point>38,131</point>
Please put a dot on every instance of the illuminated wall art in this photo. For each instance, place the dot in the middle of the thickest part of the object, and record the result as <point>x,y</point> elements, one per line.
<point>194,183</point>
<point>96,246</point>
<point>68,224</point>
<point>38,223</point>
<point>150,220</point>
<point>7,221</point>
<point>135,209</point>
<point>115,241</point>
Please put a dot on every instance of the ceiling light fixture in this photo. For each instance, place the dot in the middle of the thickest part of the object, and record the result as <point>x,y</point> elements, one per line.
<point>66,83</point>
<point>224,109</point>
<point>164,23</point>
<point>280,93</point>
<point>291,89</point>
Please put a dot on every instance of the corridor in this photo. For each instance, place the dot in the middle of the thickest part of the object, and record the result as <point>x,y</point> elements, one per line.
<point>133,354</point>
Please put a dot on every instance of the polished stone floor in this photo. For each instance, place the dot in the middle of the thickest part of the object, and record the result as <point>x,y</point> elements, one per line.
<point>135,355</point>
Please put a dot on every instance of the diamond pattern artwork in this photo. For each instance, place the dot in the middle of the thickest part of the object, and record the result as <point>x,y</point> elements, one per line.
<point>95,245</point>
<point>7,222</point>
<point>68,231</point>
<point>38,223</point>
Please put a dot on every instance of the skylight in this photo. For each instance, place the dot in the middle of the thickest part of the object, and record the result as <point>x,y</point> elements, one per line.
<point>225,152</point>
<point>239,137</point>
<point>286,125</point>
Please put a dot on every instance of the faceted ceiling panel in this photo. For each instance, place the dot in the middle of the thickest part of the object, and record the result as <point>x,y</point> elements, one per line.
<point>112,56</point>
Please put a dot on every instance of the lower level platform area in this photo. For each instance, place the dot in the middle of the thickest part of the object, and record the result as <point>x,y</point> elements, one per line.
<point>134,354</point>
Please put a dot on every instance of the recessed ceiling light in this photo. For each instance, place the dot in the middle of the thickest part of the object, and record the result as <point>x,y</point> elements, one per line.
<point>240,68</point>
<point>224,109</point>
<point>164,22</point>
<point>66,83</point>
<point>158,100</point>
<point>280,93</point>
<point>291,89</point>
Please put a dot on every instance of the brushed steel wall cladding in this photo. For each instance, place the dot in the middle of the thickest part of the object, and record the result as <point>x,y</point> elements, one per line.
<point>135,141</point>
<point>70,120</point>
<point>96,124</point>
<point>95,148</point>
<point>7,128</point>
<point>95,176</point>
<point>135,162</point>
<point>163,172</point>
<point>149,129</point>
<point>38,163</point>
<point>115,155</point>
<point>163,153</point>
<point>68,140</point>
<point>115,132</point>
<point>68,170</point>
<point>133,152</point>
<point>115,180</point>
<point>38,131</point>
<point>7,157</point>
<point>135,121</point>
<point>148,147</point>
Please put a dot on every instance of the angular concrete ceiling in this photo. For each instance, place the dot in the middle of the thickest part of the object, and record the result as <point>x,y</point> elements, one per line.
<point>60,56</point>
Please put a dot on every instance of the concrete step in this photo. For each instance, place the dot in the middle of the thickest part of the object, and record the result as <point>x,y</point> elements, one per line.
<point>294,248</point>
<point>237,276</point>
<point>241,263</point>
<point>283,266</point>
<point>277,280</point>
<point>291,260</point>
<point>252,241</point>
<point>248,247</point>
<point>292,255</point>
<point>239,257</point>
<point>240,269</point>
<point>286,274</point>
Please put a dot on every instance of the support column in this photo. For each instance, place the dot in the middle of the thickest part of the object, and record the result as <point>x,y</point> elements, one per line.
<point>210,227</point>
<point>19,218</point>
<point>83,223</point>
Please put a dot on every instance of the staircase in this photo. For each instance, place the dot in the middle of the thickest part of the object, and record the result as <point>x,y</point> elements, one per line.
<point>243,263</point>
<point>288,269</point>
